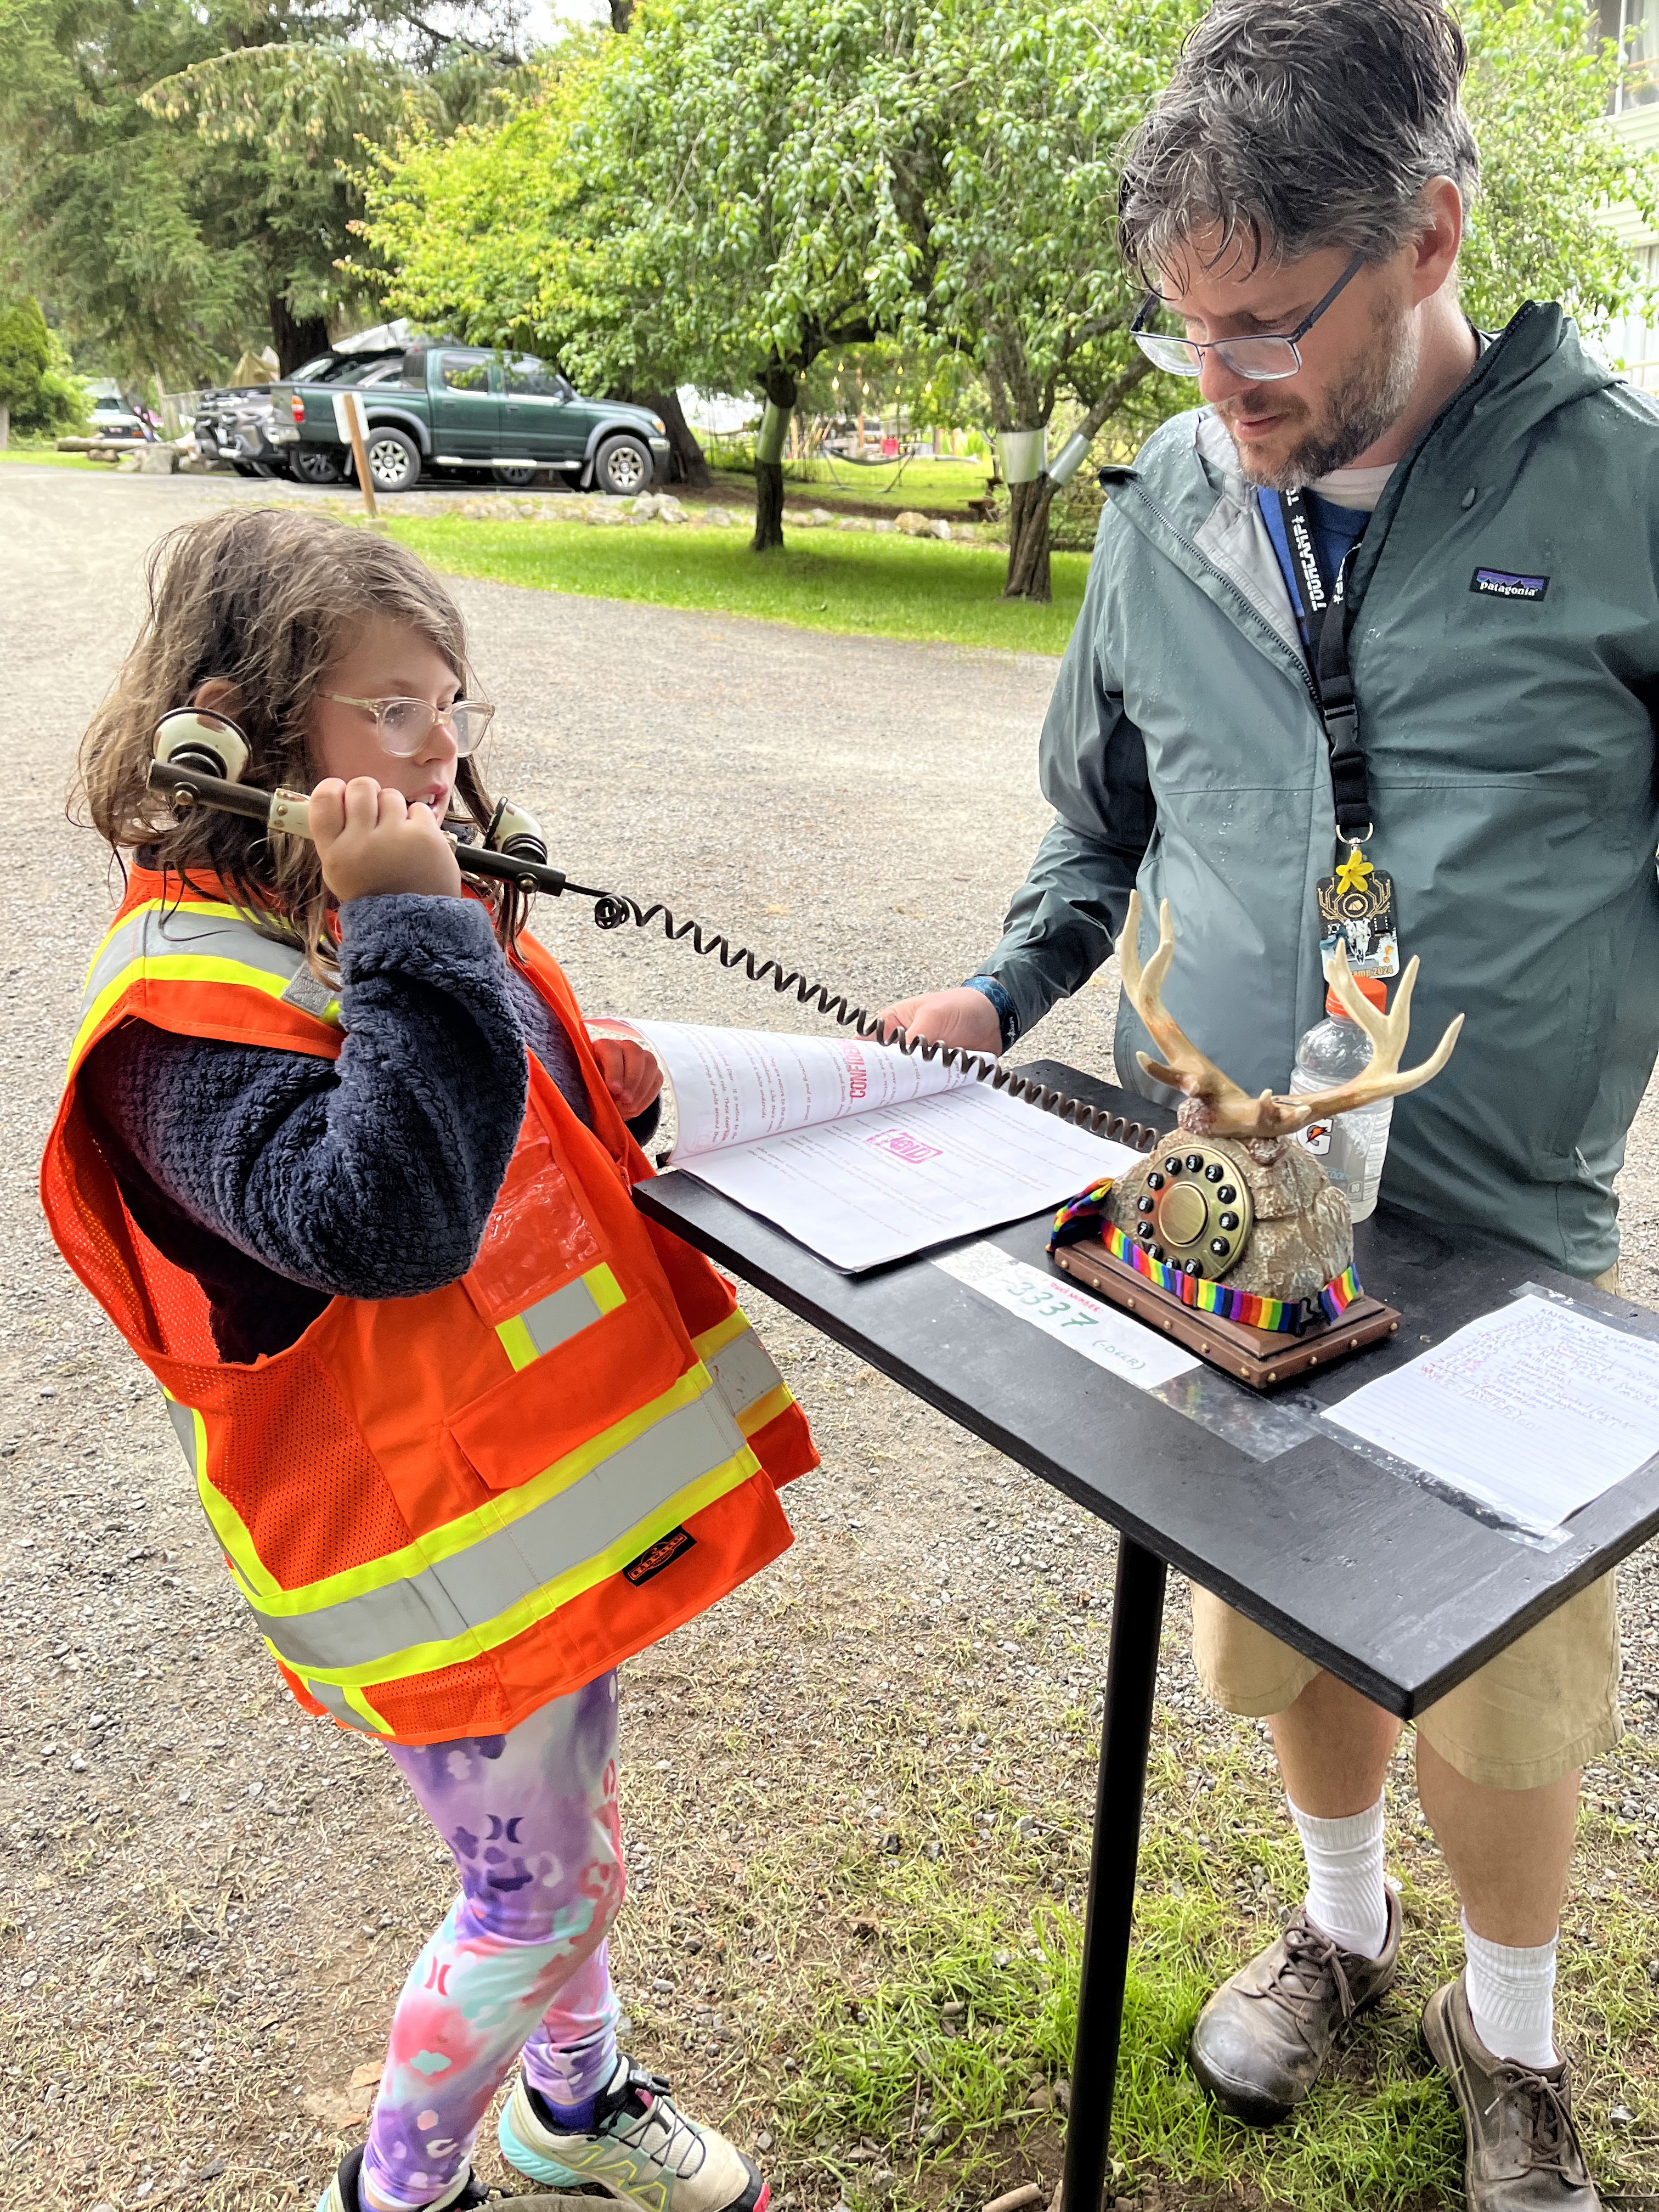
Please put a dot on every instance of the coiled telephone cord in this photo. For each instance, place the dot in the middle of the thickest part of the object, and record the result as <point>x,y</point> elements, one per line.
<point>612,910</point>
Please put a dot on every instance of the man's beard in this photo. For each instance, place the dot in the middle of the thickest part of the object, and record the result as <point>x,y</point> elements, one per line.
<point>1368,402</point>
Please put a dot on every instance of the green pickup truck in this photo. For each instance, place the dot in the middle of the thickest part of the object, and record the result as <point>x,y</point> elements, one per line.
<point>507,415</point>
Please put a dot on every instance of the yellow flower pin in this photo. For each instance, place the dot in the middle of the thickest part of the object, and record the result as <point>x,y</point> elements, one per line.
<point>1351,874</point>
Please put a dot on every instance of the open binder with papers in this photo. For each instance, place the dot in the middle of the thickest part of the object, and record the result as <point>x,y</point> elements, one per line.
<point>862,1154</point>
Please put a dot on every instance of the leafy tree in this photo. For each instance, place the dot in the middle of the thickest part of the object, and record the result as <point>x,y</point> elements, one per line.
<point>689,203</point>
<point>1025,110</point>
<point>37,392</point>
<point>1537,94</point>
<point>176,171</point>
<point>739,189</point>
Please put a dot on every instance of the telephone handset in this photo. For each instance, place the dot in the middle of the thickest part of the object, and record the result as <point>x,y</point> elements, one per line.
<point>199,757</point>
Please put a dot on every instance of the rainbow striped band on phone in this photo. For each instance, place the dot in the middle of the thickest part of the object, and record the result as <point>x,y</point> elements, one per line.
<point>1085,1216</point>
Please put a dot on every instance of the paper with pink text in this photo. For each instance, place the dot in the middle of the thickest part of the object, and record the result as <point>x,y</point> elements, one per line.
<point>863,1154</point>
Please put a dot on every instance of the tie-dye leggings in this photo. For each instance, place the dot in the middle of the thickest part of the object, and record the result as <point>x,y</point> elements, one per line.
<point>520,1961</point>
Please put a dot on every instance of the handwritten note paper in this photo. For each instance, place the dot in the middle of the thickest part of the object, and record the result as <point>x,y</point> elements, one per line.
<point>1533,1410</point>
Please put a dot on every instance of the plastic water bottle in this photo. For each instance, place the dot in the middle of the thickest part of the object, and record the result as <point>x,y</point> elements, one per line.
<point>1352,1145</point>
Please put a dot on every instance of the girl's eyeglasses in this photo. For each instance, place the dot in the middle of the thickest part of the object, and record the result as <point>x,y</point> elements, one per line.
<point>405,725</point>
<point>1263,360</point>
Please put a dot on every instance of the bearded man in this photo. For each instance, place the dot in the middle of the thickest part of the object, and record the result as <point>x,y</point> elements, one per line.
<point>1391,588</point>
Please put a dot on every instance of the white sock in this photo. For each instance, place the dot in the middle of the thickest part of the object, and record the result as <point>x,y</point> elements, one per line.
<point>1512,1996</point>
<point>1346,1899</point>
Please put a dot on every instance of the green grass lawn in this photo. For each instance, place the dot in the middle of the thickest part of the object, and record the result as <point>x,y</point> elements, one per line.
<point>45,456</point>
<point>941,485</point>
<point>866,585</point>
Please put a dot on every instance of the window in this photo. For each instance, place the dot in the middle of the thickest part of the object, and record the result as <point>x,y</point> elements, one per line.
<point>466,372</point>
<point>539,378</point>
<point>1635,24</point>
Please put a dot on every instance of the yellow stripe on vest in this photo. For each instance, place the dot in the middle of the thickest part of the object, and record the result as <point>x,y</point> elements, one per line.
<point>546,1560</point>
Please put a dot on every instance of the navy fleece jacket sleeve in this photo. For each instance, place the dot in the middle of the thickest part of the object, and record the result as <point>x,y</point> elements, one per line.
<point>369,1176</point>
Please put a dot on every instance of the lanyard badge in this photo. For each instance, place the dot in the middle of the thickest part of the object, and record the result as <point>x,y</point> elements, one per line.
<point>1355,903</point>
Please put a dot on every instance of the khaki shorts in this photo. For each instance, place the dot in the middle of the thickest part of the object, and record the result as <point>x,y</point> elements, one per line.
<point>1548,1705</point>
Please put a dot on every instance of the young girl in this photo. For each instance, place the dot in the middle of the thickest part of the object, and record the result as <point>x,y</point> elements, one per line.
<point>338,1158</point>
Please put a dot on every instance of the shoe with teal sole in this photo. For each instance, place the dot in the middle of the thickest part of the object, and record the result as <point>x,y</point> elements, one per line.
<point>640,2149</point>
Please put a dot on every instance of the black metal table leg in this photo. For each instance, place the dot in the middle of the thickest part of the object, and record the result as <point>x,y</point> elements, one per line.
<point>1131,1682</point>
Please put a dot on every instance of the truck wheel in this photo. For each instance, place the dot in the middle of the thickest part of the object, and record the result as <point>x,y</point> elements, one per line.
<point>314,466</point>
<point>514,479</point>
<point>394,460</point>
<point>624,467</point>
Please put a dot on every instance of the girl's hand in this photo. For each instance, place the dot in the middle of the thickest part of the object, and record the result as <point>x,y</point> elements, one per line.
<point>632,1075</point>
<point>370,840</point>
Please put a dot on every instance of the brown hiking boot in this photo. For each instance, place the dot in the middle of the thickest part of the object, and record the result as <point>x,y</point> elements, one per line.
<point>1262,2040</point>
<point>1523,2154</point>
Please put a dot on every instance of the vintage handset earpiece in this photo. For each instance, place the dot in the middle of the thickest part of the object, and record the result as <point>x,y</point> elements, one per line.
<point>197,738</point>
<point>200,758</point>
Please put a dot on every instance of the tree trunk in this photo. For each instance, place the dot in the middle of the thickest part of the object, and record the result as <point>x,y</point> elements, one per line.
<point>768,463</point>
<point>5,426</point>
<point>691,463</point>
<point>1027,540</point>
<point>296,338</point>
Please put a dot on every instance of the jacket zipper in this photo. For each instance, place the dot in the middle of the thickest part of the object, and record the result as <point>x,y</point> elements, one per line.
<point>1226,582</point>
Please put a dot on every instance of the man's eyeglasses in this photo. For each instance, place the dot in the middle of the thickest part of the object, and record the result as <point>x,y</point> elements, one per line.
<point>406,724</point>
<point>1262,360</point>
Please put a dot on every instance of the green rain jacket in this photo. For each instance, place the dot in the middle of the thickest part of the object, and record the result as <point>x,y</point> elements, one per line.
<point>1510,748</point>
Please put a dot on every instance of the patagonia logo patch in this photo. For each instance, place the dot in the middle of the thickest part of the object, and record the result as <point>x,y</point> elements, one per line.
<point>1504,584</point>
<point>663,1554</point>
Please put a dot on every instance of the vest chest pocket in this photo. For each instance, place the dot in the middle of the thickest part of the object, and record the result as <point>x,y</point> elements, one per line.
<point>558,1400</point>
<point>536,1234</point>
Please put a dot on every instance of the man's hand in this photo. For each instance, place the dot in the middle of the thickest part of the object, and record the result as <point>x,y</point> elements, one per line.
<point>960,1017</point>
<point>370,840</point>
<point>632,1075</point>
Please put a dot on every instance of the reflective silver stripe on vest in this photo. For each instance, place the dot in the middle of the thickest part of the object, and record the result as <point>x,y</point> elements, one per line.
<point>332,1696</point>
<point>183,1418</point>
<point>744,1372</point>
<point>553,1321</point>
<point>465,1592</point>
<point>184,929</point>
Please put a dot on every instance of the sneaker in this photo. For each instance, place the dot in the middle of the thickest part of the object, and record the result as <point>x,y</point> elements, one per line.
<point>1263,2039</point>
<point>341,2195</point>
<point>640,2149</point>
<point>1522,2149</point>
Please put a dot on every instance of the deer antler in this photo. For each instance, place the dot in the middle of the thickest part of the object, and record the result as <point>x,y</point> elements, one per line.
<point>1382,1079</point>
<point>1214,1105</point>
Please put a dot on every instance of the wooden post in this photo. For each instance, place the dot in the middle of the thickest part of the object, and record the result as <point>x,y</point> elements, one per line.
<point>348,418</point>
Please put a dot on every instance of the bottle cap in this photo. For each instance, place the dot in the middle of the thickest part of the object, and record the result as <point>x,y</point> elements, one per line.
<point>1372,986</point>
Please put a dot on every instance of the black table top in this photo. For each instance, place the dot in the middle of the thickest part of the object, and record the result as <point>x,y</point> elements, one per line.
<point>1399,1590</point>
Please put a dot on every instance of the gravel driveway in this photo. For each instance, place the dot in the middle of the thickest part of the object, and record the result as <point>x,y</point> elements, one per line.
<point>208,1899</point>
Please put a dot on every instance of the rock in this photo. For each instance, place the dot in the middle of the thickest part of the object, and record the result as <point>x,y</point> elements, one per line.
<point>913,524</point>
<point>157,460</point>
<point>822,517</point>
<point>884,524</point>
<point>800,519</point>
<point>941,529</point>
<point>720,517</point>
<point>853,522</point>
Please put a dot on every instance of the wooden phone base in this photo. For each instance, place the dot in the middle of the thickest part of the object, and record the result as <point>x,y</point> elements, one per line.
<point>1256,1356</point>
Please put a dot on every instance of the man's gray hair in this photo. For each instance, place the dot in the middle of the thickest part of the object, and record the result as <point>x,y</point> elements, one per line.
<point>1294,125</point>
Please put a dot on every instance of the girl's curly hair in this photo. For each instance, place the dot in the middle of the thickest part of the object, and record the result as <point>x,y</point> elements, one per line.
<point>267,600</point>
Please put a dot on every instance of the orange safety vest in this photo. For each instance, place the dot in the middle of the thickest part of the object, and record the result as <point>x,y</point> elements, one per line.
<point>443,1511</point>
